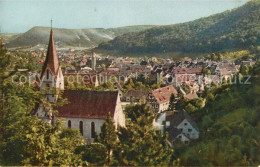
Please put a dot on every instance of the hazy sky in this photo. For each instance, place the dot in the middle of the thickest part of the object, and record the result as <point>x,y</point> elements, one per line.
<point>20,15</point>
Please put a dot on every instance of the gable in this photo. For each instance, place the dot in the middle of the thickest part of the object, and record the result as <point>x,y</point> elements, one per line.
<point>186,124</point>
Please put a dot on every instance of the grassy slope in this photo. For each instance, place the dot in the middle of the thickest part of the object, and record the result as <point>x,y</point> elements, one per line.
<point>72,37</point>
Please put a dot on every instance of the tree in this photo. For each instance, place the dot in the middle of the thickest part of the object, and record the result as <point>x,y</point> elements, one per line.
<point>5,65</point>
<point>244,69</point>
<point>92,154</point>
<point>171,103</point>
<point>108,137</point>
<point>140,143</point>
<point>205,71</point>
<point>205,92</point>
<point>25,139</point>
<point>129,85</point>
<point>190,108</point>
<point>180,103</point>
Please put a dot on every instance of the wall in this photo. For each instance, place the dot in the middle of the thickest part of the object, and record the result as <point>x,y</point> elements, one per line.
<point>86,125</point>
<point>119,116</point>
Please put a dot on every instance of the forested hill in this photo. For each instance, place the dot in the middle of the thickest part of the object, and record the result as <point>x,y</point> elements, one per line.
<point>238,28</point>
<point>229,125</point>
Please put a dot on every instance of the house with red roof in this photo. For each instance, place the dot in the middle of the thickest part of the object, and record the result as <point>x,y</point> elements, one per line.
<point>159,98</point>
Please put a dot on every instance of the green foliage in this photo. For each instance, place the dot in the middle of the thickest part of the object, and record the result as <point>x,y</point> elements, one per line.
<point>229,126</point>
<point>238,28</point>
<point>30,141</point>
<point>25,139</point>
<point>244,70</point>
<point>93,154</point>
<point>140,144</point>
<point>186,89</point>
<point>181,102</point>
<point>108,137</point>
<point>171,102</point>
<point>141,83</point>
<point>206,71</point>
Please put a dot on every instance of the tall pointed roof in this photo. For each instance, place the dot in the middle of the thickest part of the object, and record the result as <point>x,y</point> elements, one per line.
<point>51,61</point>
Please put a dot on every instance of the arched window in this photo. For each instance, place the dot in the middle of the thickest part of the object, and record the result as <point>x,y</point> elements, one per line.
<point>92,130</point>
<point>81,127</point>
<point>69,124</point>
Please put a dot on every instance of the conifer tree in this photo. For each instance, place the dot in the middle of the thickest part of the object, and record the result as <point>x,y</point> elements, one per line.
<point>171,103</point>
<point>108,137</point>
<point>140,143</point>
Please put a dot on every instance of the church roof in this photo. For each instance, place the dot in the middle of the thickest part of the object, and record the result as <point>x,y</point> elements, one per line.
<point>88,104</point>
<point>51,61</point>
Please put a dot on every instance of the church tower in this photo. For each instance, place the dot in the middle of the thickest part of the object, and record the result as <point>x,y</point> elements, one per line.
<point>93,60</point>
<point>51,78</point>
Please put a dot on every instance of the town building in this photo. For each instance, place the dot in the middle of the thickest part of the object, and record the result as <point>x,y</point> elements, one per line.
<point>159,99</point>
<point>180,125</point>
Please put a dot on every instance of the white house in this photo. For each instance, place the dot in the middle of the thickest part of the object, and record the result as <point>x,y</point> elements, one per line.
<point>181,126</point>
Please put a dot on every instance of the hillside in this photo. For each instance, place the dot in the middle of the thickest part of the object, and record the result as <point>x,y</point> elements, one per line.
<point>229,127</point>
<point>70,37</point>
<point>238,28</point>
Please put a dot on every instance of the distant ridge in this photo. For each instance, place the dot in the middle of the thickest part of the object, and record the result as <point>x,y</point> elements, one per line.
<point>70,37</point>
<point>235,29</point>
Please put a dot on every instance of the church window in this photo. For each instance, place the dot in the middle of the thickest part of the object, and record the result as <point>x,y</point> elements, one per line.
<point>69,124</point>
<point>92,130</point>
<point>81,127</point>
<point>48,74</point>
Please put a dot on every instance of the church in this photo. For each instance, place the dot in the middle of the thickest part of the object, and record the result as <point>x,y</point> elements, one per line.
<point>86,110</point>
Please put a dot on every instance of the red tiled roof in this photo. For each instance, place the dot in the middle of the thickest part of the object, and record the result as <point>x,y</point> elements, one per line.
<point>112,69</point>
<point>178,70</point>
<point>86,78</point>
<point>224,71</point>
<point>185,77</point>
<point>163,94</point>
<point>51,61</point>
<point>88,104</point>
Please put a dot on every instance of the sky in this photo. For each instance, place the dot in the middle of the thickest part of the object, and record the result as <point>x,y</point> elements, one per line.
<point>18,16</point>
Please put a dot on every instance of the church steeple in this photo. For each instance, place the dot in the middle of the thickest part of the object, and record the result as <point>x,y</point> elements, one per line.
<point>51,75</point>
<point>51,62</point>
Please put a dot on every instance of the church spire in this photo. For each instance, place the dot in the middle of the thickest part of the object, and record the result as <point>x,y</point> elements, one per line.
<point>51,62</point>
